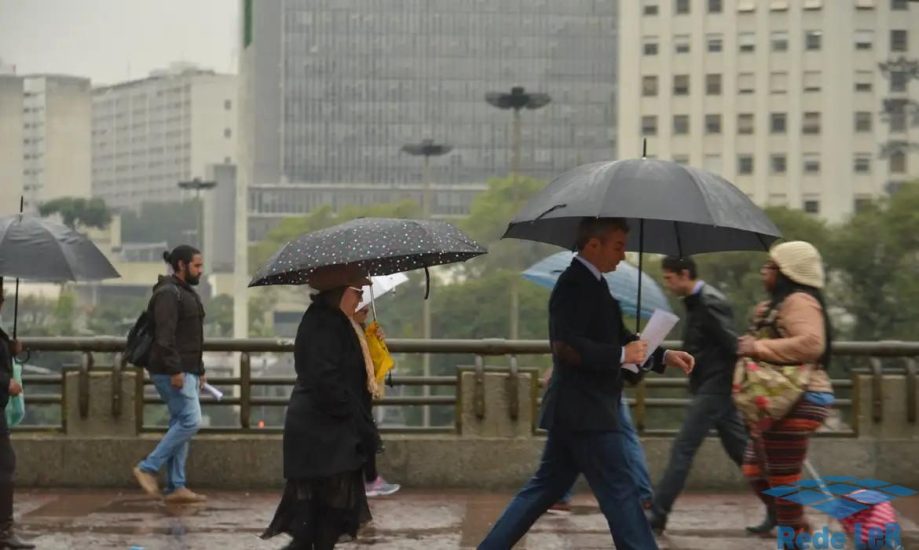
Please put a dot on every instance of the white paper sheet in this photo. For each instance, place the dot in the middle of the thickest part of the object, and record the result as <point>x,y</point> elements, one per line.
<point>656,331</point>
<point>218,395</point>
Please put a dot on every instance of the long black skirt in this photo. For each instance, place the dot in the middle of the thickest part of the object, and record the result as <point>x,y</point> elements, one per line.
<point>317,512</point>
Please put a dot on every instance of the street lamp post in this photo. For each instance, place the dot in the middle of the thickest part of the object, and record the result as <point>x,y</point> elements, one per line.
<point>197,185</point>
<point>517,99</point>
<point>426,149</point>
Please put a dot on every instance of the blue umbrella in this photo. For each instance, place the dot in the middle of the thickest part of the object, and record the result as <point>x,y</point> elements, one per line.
<point>623,283</point>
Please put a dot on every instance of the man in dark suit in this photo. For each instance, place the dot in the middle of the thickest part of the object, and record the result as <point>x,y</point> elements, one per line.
<point>580,410</point>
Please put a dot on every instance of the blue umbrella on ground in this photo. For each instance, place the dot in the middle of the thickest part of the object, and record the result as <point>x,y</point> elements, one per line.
<point>623,283</point>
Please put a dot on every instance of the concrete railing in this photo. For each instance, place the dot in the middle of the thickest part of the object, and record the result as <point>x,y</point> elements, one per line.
<point>493,440</point>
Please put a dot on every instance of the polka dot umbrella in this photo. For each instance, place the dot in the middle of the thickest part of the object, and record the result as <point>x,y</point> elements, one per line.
<point>369,247</point>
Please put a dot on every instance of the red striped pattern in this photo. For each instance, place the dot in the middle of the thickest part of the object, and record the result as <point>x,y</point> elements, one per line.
<point>878,516</point>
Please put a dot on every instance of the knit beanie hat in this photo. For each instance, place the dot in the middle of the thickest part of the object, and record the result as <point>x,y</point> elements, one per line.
<point>800,262</point>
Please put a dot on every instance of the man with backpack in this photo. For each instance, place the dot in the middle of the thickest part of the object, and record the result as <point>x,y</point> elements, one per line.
<point>175,364</point>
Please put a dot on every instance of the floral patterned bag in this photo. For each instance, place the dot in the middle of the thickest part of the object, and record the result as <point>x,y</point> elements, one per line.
<point>763,392</point>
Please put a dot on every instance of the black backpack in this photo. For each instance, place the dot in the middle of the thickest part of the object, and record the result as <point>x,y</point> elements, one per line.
<point>142,334</point>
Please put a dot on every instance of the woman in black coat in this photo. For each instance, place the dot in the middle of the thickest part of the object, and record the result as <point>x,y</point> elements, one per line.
<point>329,435</point>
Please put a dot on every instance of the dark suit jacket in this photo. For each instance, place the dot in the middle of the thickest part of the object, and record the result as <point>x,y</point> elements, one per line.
<point>587,336</point>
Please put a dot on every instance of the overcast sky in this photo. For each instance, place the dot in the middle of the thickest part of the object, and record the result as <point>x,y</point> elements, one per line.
<point>115,40</point>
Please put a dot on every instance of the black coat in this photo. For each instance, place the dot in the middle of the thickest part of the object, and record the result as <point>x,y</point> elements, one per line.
<point>587,336</point>
<point>709,335</point>
<point>328,429</point>
<point>178,317</point>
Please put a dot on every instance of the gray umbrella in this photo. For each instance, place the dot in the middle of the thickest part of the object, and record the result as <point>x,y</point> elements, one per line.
<point>370,246</point>
<point>45,250</point>
<point>683,210</point>
<point>674,209</point>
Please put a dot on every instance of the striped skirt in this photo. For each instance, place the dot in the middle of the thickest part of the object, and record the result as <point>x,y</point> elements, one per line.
<point>776,457</point>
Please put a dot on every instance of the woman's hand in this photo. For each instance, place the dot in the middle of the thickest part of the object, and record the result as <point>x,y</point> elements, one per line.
<point>746,346</point>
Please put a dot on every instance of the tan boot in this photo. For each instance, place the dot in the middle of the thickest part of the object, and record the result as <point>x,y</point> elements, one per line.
<point>147,482</point>
<point>184,496</point>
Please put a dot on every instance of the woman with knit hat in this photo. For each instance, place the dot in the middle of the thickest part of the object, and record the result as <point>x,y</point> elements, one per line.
<point>797,332</point>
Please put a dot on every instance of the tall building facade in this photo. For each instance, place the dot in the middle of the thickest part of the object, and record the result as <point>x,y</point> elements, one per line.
<point>11,146</point>
<point>334,89</point>
<point>782,97</point>
<point>56,125</point>
<point>149,134</point>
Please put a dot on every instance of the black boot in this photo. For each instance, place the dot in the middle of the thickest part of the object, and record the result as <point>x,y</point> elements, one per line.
<point>766,526</point>
<point>657,521</point>
<point>8,539</point>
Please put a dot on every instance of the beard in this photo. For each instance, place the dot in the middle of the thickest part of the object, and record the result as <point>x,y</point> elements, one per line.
<point>193,281</point>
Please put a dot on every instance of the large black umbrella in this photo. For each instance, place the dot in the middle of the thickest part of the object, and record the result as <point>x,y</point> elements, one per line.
<point>673,209</point>
<point>44,250</point>
<point>372,246</point>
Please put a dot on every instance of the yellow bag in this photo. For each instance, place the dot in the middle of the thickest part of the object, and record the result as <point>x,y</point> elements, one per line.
<point>379,353</point>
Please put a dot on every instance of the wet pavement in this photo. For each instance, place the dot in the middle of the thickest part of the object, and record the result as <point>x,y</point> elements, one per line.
<point>411,519</point>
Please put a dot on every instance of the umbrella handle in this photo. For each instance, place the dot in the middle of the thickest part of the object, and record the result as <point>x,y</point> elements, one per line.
<point>373,303</point>
<point>641,249</point>
<point>427,283</point>
<point>16,311</point>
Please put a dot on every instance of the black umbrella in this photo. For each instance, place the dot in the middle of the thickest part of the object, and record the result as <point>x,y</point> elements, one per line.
<point>678,210</point>
<point>45,250</point>
<point>372,246</point>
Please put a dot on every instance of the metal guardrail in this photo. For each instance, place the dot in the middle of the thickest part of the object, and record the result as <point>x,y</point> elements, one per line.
<point>643,401</point>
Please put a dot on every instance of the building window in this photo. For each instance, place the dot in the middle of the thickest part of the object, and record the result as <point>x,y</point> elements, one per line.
<point>862,163</point>
<point>712,124</point>
<point>680,125</point>
<point>745,83</point>
<point>811,81</point>
<point>715,43</point>
<point>713,84</point>
<point>898,162</point>
<point>813,4</point>
<point>864,40</point>
<point>746,5</point>
<point>681,159</point>
<point>898,5</point>
<point>681,43</point>
<point>746,42</point>
<point>681,84</point>
<point>649,86</point>
<point>862,121</point>
<point>745,164</point>
<point>650,7</point>
<point>813,40</point>
<point>227,105</point>
<point>779,41</point>
<point>777,164</point>
<point>778,82</point>
<point>899,81</point>
<point>812,206</point>
<point>864,4</point>
<point>862,204</point>
<point>778,5</point>
<point>778,123</point>
<point>745,123</point>
<point>715,6</point>
<point>864,81</point>
<point>649,45</point>
<point>811,123</point>
<point>227,132</point>
<point>712,163</point>
<point>811,163</point>
<point>649,125</point>
<point>898,41</point>
<point>681,6</point>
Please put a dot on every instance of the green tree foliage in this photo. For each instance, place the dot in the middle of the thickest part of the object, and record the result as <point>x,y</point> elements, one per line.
<point>169,222</point>
<point>78,212</point>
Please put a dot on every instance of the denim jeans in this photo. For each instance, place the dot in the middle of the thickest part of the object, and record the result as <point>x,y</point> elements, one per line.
<point>601,457</point>
<point>635,455</point>
<point>705,411</point>
<point>184,421</point>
